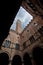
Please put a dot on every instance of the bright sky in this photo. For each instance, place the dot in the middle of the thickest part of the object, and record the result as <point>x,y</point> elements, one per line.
<point>23,16</point>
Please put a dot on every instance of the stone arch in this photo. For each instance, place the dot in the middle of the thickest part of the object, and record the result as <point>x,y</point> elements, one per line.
<point>4,58</point>
<point>27,59</point>
<point>1,51</point>
<point>38,55</point>
<point>16,60</point>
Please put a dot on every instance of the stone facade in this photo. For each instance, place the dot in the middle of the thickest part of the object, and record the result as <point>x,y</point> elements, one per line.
<point>20,43</point>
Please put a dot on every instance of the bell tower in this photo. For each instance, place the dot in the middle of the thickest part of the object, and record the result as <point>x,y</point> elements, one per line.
<point>18,26</point>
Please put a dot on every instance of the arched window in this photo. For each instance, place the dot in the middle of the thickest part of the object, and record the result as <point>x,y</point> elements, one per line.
<point>7,43</point>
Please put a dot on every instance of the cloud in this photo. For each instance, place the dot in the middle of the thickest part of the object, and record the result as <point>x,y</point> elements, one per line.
<point>23,16</point>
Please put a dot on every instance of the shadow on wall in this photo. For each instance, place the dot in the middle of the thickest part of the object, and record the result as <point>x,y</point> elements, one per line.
<point>38,55</point>
<point>27,59</point>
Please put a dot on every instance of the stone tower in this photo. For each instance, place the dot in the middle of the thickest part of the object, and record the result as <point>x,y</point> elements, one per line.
<point>18,27</point>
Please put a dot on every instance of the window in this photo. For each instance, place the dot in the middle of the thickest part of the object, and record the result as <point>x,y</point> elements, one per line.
<point>27,30</point>
<point>41,30</point>
<point>36,35</point>
<point>24,45</point>
<point>17,37</point>
<point>32,39</point>
<point>7,43</point>
<point>35,24</point>
<point>28,33</point>
<point>17,46</point>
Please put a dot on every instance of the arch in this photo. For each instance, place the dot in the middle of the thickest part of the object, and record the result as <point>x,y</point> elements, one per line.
<point>38,55</point>
<point>4,59</point>
<point>27,60</point>
<point>16,60</point>
<point>1,51</point>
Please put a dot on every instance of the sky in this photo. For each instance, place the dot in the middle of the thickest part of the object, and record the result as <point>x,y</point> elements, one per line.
<point>23,16</point>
